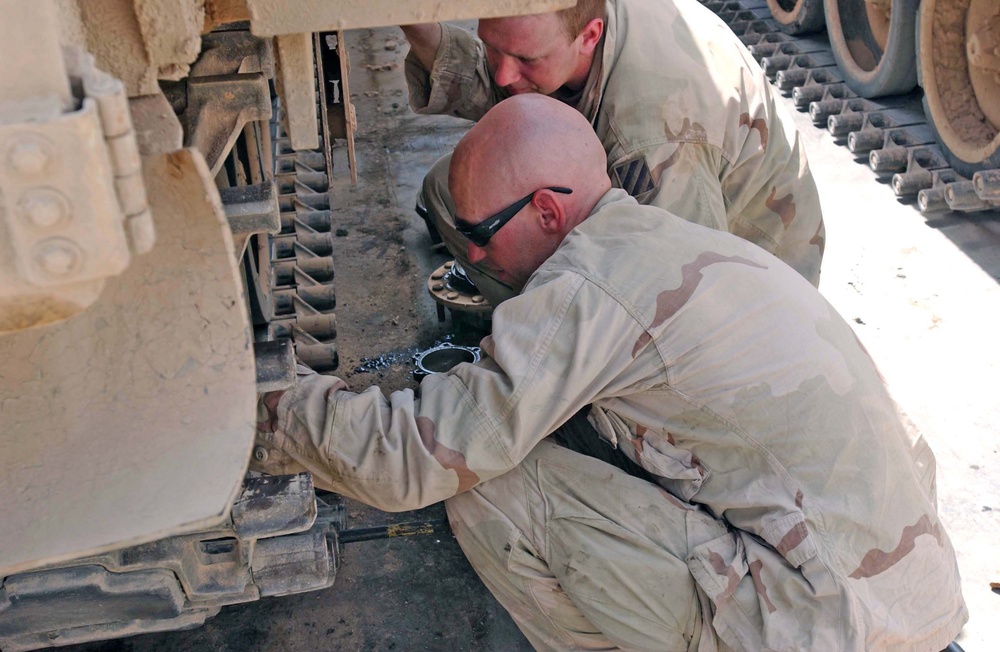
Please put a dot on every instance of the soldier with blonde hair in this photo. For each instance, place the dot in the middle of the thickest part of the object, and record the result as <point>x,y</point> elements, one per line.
<point>685,116</point>
<point>672,443</point>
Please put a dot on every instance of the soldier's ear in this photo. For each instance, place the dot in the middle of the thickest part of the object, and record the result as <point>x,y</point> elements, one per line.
<point>551,216</point>
<point>590,35</point>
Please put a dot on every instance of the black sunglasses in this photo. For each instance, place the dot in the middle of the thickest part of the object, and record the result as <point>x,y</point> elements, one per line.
<point>480,234</point>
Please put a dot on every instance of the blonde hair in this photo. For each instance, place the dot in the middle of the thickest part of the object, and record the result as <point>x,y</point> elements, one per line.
<point>574,19</point>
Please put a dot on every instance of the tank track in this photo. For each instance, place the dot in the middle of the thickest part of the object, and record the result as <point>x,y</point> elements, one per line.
<point>892,132</point>
<point>301,262</point>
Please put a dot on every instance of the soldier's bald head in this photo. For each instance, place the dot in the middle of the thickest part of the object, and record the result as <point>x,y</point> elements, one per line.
<point>522,144</point>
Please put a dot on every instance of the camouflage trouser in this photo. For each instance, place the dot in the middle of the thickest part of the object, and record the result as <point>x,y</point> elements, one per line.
<point>436,199</point>
<point>586,556</point>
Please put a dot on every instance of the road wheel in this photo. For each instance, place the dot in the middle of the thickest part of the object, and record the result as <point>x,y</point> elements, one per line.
<point>959,46</point>
<point>797,16</point>
<point>873,43</point>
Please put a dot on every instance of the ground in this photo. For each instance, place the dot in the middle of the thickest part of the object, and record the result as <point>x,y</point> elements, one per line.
<point>922,294</point>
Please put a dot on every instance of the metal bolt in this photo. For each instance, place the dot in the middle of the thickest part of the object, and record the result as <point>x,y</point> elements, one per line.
<point>58,258</point>
<point>260,453</point>
<point>28,156</point>
<point>43,207</point>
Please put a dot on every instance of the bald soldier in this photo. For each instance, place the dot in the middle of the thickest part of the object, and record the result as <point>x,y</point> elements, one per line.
<point>683,112</point>
<point>757,488</point>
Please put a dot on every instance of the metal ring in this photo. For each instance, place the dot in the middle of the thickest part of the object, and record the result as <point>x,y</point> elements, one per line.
<point>440,359</point>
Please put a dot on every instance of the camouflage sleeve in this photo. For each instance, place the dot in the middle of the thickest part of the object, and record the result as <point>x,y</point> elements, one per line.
<point>459,83</point>
<point>798,235</point>
<point>771,194</point>
<point>767,196</point>
<point>398,452</point>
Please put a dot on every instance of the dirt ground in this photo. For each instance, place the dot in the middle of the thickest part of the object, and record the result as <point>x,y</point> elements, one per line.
<point>922,295</point>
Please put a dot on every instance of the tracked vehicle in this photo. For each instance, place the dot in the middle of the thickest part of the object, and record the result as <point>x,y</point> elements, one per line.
<point>854,65</point>
<point>165,249</point>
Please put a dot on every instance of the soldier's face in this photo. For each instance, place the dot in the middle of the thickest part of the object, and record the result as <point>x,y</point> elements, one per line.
<point>534,54</point>
<point>512,254</point>
<point>508,255</point>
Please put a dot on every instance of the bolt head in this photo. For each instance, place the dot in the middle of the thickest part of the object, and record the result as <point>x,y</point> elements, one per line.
<point>260,453</point>
<point>28,156</point>
<point>43,207</point>
<point>58,258</point>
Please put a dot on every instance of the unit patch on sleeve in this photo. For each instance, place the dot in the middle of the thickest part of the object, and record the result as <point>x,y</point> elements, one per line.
<point>633,177</point>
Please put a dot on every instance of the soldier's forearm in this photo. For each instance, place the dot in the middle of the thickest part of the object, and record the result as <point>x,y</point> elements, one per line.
<point>424,41</point>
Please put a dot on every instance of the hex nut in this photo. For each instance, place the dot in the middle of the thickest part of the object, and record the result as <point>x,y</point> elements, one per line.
<point>43,207</point>
<point>58,257</point>
<point>29,154</point>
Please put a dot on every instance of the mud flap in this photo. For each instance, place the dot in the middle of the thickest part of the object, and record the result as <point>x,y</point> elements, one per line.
<point>133,420</point>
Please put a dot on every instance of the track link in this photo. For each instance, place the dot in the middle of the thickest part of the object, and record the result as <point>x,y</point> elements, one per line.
<point>301,254</point>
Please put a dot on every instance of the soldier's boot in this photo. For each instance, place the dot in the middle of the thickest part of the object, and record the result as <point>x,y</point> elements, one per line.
<point>437,244</point>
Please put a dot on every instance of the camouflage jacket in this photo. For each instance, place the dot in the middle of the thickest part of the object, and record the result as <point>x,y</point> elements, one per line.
<point>722,373</point>
<point>687,119</point>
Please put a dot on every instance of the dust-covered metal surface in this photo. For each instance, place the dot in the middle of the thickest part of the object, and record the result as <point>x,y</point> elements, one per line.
<point>73,205</point>
<point>133,420</point>
<point>273,17</point>
<point>296,83</point>
<point>143,41</point>
<point>278,542</point>
<point>214,110</point>
<point>275,364</point>
<point>274,505</point>
<point>892,133</point>
<point>60,606</point>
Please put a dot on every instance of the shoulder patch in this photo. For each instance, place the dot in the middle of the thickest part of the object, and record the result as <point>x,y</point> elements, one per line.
<point>633,176</point>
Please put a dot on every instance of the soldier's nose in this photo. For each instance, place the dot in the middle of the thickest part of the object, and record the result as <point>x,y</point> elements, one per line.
<point>507,71</point>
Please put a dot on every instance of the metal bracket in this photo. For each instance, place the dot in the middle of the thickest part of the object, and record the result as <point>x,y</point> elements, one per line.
<point>250,209</point>
<point>75,205</point>
<point>231,52</point>
<point>296,82</point>
<point>218,107</point>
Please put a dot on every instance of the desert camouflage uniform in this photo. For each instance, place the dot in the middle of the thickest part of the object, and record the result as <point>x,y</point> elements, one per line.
<point>687,119</point>
<point>793,507</point>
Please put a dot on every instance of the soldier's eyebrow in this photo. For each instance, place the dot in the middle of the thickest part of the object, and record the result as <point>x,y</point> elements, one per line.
<point>518,55</point>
